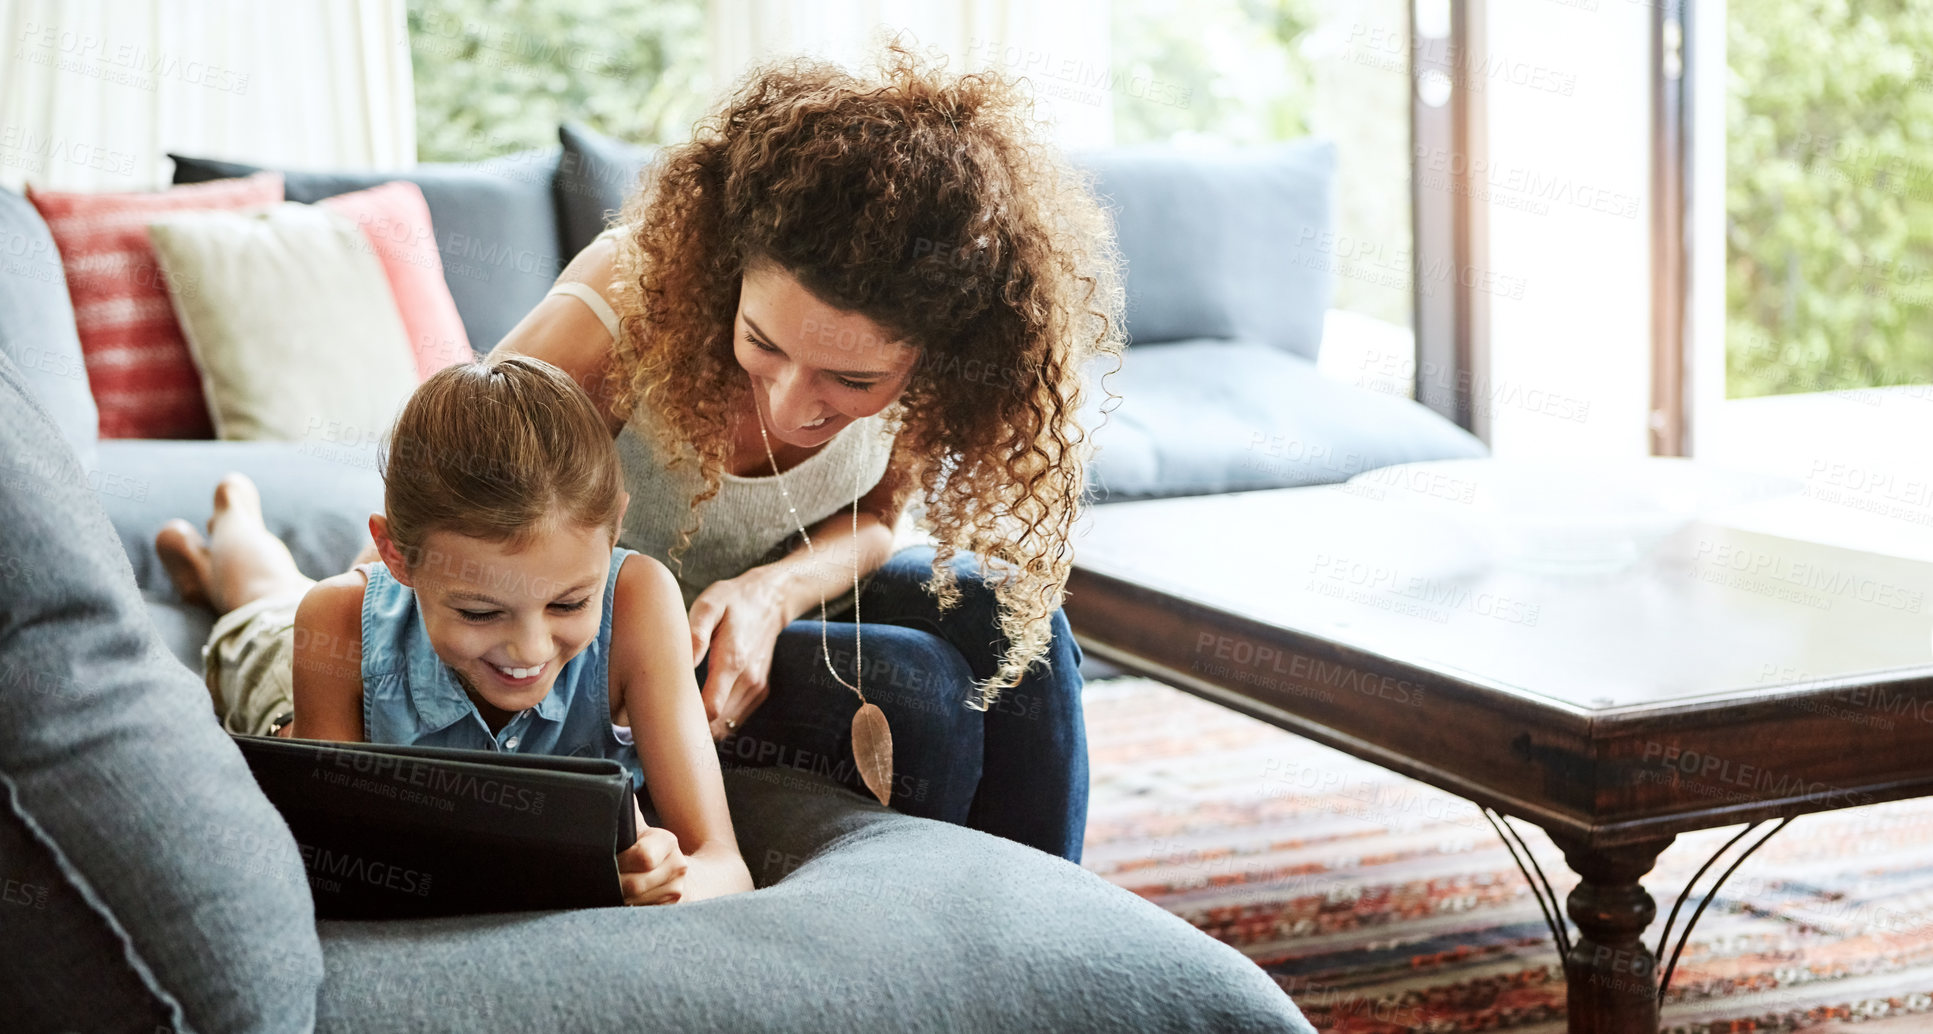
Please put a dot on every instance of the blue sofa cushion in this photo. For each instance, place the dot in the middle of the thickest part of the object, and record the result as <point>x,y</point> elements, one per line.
<point>37,324</point>
<point>594,177</point>
<point>1231,244</point>
<point>1223,416</point>
<point>864,920</point>
<point>495,223</point>
<point>317,496</point>
<point>144,875</point>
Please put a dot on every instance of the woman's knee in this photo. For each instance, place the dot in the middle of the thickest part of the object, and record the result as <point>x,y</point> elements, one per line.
<point>902,669</point>
<point>911,671</point>
<point>918,681</point>
<point>898,589</point>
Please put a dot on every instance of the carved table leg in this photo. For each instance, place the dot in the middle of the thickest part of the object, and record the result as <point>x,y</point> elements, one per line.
<point>1612,976</point>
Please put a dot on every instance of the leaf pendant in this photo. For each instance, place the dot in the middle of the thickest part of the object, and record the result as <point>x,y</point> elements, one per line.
<point>872,747</point>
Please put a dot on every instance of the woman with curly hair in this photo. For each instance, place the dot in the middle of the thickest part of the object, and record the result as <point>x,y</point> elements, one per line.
<point>845,300</point>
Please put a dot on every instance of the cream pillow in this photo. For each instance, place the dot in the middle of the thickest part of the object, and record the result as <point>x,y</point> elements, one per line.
<point>290,321</point>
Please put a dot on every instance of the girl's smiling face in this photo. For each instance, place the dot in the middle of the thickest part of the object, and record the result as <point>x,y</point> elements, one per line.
<point>507,620</point>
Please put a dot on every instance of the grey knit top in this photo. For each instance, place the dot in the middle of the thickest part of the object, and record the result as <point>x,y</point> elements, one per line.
<point>747,523</point>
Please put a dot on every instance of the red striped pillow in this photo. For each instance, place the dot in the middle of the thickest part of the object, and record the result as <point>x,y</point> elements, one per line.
<point>144,379</point>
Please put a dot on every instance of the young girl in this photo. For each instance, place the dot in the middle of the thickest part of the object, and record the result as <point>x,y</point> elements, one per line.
<point>502,615</point>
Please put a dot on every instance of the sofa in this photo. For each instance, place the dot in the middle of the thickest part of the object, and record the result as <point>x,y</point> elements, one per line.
<point>1228,279</point>
<point>146,884</point>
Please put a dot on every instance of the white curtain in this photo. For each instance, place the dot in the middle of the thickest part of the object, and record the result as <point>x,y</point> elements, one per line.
<point>1059,46</point>
<point>93,92</point>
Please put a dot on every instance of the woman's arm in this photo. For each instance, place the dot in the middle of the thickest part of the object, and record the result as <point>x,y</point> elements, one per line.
<point>327,680</point>
<point>735,622</point>
<point>660,698</point>
<point>564,332</point>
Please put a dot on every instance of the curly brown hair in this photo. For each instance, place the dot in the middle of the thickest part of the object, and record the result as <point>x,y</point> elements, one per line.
<point>928,204</point>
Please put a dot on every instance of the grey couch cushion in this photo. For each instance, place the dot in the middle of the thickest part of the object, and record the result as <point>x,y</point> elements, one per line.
<point>594,177</point>
<point>37,324</point>
<point>164,884</point>
<point>1223,416</point>
<point>317,496</point>
<point>495,223</point>
<point>1223,244</point>
<point>865,920</point>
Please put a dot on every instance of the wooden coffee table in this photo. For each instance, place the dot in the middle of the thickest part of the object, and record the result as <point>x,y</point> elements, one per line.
<point>1726,677</point>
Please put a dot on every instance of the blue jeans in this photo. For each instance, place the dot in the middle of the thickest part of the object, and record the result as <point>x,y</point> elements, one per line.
<point>1017,770</point>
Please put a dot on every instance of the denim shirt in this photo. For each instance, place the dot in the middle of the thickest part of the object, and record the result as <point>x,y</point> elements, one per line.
<point>409,696</point>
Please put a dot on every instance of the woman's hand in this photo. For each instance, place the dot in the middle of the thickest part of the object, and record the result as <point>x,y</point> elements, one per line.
<point>652,871</point>
<point>736,622</point>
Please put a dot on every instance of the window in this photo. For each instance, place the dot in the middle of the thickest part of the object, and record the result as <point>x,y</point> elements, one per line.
<point>1829,196</point>
<point>1811,281</point>
<point>1244,72</point>
<point>494,78</point>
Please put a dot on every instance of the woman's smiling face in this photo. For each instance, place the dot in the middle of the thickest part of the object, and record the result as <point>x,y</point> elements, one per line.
<point>814,368</point>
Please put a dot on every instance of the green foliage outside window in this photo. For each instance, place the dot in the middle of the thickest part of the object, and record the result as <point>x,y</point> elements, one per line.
<point>1246,72</point>
<point>1234,61</point>
<point>497,76</point>
<point>1829,195</point>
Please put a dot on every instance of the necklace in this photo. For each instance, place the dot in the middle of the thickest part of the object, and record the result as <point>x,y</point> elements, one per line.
<point>872,740</point>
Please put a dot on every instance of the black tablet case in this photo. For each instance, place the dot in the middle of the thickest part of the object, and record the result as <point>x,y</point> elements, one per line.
<point>393,832</point>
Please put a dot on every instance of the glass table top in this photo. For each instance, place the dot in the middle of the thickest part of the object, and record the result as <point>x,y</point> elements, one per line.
<point>1595,601</point>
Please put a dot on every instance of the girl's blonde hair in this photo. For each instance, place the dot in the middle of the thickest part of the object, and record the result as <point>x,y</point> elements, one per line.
<point>930,205</point>
<point>494,450</point>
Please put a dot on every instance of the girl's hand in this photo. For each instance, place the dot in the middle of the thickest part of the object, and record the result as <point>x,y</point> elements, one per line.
<point>737,623</point>
<point>652,871</point>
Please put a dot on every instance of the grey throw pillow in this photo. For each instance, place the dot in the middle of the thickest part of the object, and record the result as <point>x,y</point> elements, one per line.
<point>144,879</point>
<point>495,224</point>
<point>37,330</point>
<point>596,175</point>
<point>1223,244</point>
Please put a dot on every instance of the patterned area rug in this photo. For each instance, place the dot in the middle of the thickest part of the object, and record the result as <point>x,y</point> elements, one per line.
<point>1384,905</point>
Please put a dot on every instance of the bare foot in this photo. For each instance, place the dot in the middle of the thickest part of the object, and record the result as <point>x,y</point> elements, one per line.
<point>246,561</point>
<point>184,555</point>
<point>236,497</point>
